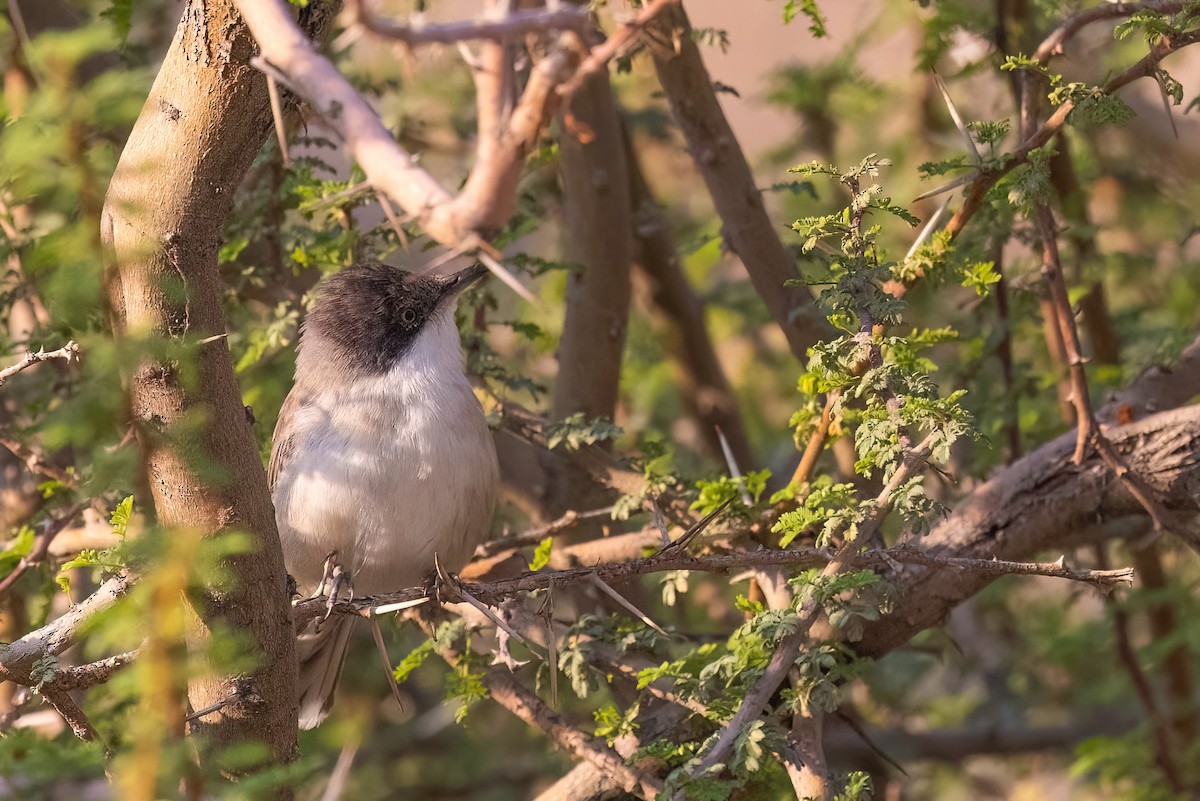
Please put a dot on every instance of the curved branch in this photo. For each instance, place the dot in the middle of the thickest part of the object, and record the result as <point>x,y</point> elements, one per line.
<point>1042,501</point>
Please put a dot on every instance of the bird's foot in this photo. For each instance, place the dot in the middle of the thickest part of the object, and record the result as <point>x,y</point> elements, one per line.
<point>334,579</point>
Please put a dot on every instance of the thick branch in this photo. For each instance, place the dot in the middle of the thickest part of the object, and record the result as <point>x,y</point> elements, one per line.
<point>1042,501</point>
<point>207,116</point>
<point>746,227</point>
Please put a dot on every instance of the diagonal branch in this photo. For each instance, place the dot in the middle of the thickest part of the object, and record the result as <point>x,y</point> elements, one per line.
<point>746,227</point>
<point>489,26</point>
<point>68,353</point>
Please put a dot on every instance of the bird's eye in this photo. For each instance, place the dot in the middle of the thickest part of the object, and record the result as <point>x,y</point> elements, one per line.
<point>408,316</point>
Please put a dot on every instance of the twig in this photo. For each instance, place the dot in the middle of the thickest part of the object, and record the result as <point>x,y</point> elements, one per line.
<point>208,710</point>
<point>513,696</point>
<point>977,188</point>
<point>785,655</point>
<point>81,677</point>
<point>41,546</point>
<point>535,535</point>
<point>277,114</point>
<point>1088,430</point>
<point>614,46</point>
<point>68,353</point>
<point>677,558</point>
<point>816,442</point>
<point>507,25</point>
<point>1103,580</point>
<point>1127,654</point>
<point>1052,45</point>
<point>1064,323</point>
<point>37,462</point>
<point>456,587</point>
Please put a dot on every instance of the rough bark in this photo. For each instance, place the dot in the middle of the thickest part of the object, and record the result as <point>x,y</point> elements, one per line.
<point>1040,502</point>
<point>748,230</point>
<point>598,226</point>
<point>598,231</point>
<point>206,117</point>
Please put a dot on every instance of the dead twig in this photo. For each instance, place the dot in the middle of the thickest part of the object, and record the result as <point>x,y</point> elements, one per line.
<point>68,353</point>
<point>41,546</point>
<point>535,535</point>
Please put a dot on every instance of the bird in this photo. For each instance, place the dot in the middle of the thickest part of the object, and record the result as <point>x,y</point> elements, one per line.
<point>382,460</point>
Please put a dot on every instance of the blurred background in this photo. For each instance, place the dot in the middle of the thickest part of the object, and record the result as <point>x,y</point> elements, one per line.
<point>1022,696</point>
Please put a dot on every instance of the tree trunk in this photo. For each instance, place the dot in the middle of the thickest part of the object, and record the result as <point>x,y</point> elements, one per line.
<point>205,119</point>
<point>598,226</point>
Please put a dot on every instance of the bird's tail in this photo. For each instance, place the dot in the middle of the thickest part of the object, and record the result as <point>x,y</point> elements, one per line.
<point>321,650</point>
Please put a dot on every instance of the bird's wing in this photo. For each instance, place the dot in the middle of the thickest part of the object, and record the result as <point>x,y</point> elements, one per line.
<point>283,442</point>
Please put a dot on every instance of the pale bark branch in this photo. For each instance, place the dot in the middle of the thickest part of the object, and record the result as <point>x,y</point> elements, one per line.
<point>17,659</point>
<point>68,353</point>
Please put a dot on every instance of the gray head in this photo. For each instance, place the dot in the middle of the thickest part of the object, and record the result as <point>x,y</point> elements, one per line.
<point>368,316</point>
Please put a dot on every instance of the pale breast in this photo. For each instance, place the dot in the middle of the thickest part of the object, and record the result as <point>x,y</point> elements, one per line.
<point>390,473</point>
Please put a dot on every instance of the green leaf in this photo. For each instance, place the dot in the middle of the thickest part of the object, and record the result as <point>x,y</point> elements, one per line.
<point>415,658</point>
<point>541,555</point>
<point>120,517</point>
<point>816,20</point>
<point>575,431</point>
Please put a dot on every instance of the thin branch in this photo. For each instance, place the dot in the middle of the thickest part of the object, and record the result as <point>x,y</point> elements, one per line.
<point>1103,580</point>
<point>71,713</point>
<point>513,696</point>
<point>781,662</point>
<point>615,46</point>
<point>68,353</point>
<point>17,659</point>
<point>1053,44</point>
<point>502,26</point>
<point>1087,428</point>
<point>1064,317</point>
<point>1127,654</point>
<point>747,228</point>
<point>816,442</point>
<point>461,221</point>
<point>977,189</point>
<point>37,462</point>
<point>41,546</point>
<point>673,558</point>
<point>535,535</point>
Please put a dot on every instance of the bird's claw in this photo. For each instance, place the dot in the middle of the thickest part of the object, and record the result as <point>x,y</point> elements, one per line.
<point>335,577</point>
